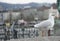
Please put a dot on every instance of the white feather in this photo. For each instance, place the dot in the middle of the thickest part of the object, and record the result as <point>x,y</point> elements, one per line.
<point>49,23</point>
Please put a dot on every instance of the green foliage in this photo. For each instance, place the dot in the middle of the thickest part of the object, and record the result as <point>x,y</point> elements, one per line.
<point>30,17</point>
<point>58,5</point>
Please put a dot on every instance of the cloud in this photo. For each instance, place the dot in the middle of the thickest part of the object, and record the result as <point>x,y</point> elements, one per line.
<point>27,1</point>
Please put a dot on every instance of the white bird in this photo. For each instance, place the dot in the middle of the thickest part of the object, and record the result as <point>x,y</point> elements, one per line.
<point>49,23</point>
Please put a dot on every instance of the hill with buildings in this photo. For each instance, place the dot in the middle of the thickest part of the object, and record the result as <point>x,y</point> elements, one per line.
<point>7,6</point>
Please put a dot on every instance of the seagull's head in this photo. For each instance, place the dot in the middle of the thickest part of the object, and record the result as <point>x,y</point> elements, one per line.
<point>55,15</point>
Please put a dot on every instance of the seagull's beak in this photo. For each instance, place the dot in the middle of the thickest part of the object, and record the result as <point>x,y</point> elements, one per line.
<point>57,16</point>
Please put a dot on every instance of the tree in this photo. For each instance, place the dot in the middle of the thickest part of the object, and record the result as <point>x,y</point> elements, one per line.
<point>21,16</point>
<point>58,5</point>
<point>29,17</point>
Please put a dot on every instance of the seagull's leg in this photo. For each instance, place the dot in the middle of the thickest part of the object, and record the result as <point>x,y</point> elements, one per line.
<point>44,32</point>
<point>49,32</point>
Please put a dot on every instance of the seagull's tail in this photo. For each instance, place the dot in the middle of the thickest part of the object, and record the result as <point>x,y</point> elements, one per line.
<point>37,25</point>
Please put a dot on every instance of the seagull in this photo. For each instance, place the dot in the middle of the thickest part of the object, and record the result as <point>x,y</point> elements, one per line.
<point>49,23</point>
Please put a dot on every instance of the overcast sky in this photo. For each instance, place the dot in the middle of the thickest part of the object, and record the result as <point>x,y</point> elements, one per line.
<point>28,1</point>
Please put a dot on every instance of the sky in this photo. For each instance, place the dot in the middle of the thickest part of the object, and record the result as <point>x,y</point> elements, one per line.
<point>27,1</point>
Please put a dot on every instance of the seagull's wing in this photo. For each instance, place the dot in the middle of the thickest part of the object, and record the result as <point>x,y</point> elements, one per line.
<point>45,23</point>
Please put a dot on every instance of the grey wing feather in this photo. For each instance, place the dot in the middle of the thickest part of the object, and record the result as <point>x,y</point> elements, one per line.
<point>43,24</point>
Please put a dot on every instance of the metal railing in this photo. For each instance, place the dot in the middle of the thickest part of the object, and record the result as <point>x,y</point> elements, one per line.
<point>22,32</point>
